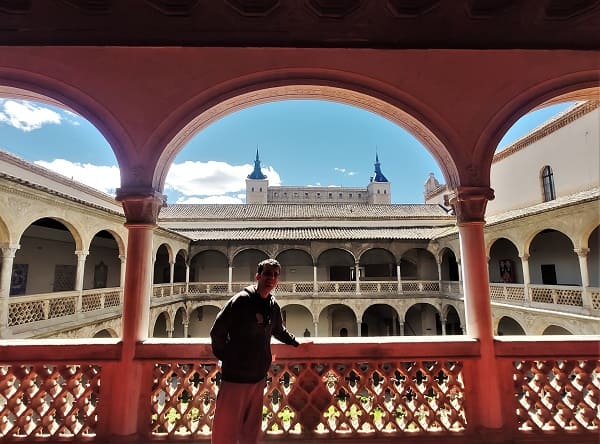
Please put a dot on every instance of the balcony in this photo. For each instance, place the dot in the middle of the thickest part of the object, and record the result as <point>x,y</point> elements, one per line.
<point>36,315</point>
<point>363,391</point>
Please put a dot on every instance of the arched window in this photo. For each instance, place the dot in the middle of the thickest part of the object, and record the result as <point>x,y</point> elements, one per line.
<point>548,184</point>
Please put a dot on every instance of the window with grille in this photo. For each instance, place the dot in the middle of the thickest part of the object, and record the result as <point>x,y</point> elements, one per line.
<point>548,184</point>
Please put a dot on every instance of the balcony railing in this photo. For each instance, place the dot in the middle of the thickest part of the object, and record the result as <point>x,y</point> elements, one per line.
<point>24,310</point>
<point>368,390</point>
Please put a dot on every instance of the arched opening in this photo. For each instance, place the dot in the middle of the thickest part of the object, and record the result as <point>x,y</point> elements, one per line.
<point>505,264</point>
<point>209,266</point>
<point>336,265</point>
<point>201,320</point>
<point>380,320</point>
<point>298,320</point>
<point>422,320</point>
<point>296,266</point>
<point>161,326</point>
<point>453,322</point>
<point>162,265</point>
<point>556,330</point>
<point>46,261</point>
<point>449,266</point>
<point>509,326</point>
<point>552,260</point>
<point>103,265</point>
<point>244,266</point>
<point>337,320</point>
<point>377,264</point>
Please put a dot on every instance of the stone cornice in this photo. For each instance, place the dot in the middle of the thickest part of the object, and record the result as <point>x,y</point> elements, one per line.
<point>31,191</point>
<point>45,172</point>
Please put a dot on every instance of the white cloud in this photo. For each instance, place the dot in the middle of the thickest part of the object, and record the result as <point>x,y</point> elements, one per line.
<point>206,179</point>
<point>344,171</point>
<point>27,116</point>
<point>100,177</point>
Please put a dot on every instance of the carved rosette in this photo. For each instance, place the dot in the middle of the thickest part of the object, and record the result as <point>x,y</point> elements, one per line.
<point>141,208</point>
<point>469,203</point>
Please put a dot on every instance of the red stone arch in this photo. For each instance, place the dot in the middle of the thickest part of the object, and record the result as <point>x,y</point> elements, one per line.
<point>25,85</point>
<point>287,84</point>
<point>571,86</point>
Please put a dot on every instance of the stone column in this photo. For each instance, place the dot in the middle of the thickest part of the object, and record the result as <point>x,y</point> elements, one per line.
<point>79,275</point>
<point>486,406</point>
<point>401,327</point>
<point>443,322</point>
<point>358,328</point>
<point>526,276</point>
<point>585,277</point>
<point>123,260</point>
<point>399,277</point>
<point>316,325</point>
<point>171,276</point>
<point>81,256</point>
<point>356,269</point>
<point>128,378</point>
<point>187,279</point>
<point>229,286</point>
<point>8,257</point>
<point>315,284</point>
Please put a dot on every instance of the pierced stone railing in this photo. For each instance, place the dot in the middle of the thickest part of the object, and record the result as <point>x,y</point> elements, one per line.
<point>367,390</point>
<point>507,292</point>
<point>557,295</point>
<point>41,307</point>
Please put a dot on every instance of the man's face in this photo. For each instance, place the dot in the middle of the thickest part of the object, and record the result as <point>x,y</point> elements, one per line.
<point>268,278</point>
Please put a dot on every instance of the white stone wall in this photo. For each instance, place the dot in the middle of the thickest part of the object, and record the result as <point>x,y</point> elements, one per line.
<point>573,152</point>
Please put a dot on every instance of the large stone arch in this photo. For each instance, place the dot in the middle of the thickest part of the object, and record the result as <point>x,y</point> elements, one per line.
<point>302,83</point>
<point>27,85</point>
<point>582,85</point>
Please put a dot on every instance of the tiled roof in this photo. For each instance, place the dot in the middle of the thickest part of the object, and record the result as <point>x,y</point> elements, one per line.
<point>564,201</point>
<point>182,212</point>
<point>582,196</point>
<point>327,233</point>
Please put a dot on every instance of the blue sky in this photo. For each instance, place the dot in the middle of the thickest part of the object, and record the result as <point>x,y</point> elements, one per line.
<point>300,142</point>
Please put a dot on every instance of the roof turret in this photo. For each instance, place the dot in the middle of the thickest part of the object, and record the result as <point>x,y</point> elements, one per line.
<point>257,173</point>
<point>379,177</point>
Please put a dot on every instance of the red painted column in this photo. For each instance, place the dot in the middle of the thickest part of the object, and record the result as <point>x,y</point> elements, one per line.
<point>127,408</point>
<point>485,414</point>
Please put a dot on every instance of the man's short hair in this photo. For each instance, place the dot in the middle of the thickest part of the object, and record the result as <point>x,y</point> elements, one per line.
<point>271,262</point>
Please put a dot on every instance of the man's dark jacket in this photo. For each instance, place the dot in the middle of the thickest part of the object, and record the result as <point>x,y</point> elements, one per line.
<point>241,335</point>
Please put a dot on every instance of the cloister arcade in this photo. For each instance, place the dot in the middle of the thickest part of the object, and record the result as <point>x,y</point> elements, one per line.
<point>464,388</point>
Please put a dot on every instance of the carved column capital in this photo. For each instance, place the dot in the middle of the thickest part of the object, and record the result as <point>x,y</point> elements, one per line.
<point>9,250</point>
<point>581,252</point>
<point>469,203</point>
<point>141,206</point>
<point>524,257</point>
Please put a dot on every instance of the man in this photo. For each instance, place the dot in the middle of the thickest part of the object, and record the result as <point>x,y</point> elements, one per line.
<point>241,340</point>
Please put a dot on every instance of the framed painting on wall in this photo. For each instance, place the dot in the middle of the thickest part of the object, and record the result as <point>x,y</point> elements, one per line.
<point>18,280</point>
<point>507,271</point>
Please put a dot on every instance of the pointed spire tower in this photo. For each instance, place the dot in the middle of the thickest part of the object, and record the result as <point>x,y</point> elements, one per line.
<point>256,184</point>
<point>378,190</point>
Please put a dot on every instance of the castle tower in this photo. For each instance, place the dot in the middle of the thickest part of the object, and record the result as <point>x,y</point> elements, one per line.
<point>256,184</point>
<point>378,190</point>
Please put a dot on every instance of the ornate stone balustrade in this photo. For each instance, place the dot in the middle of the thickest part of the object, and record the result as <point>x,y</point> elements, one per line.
<point>43,307</point>
<point>368,390</point>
